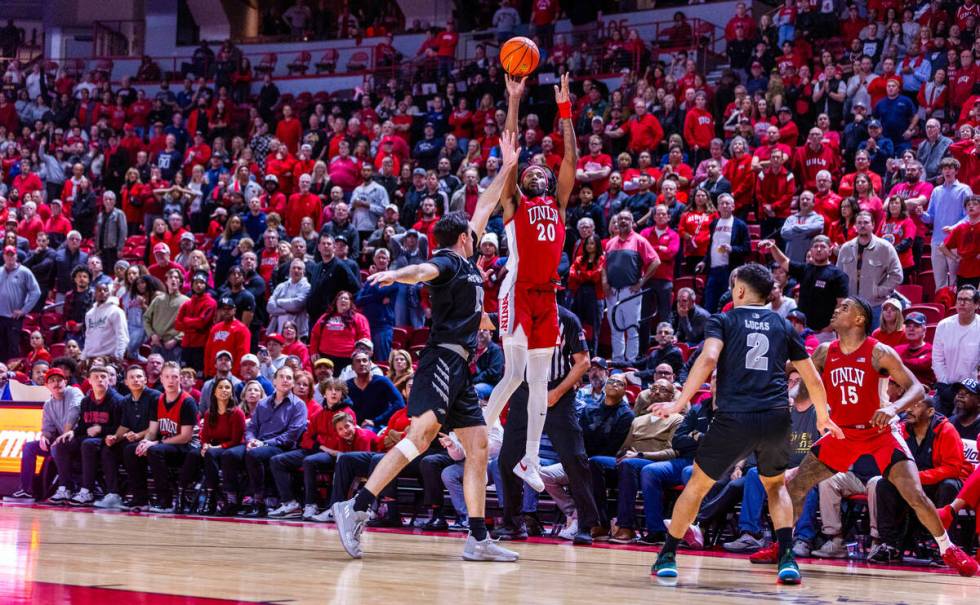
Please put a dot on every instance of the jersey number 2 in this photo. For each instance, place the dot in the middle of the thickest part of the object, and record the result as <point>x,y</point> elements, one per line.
<point>755,357</point>
<point>546,233</point>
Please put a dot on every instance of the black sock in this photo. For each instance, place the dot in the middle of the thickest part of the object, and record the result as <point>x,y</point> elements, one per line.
<point>364,500</point>
<point>670,544</point>
<point>784,537</point>
<point>478,527</point>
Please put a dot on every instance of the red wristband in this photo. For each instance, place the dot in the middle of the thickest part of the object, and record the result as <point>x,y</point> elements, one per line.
<point>565,110</point>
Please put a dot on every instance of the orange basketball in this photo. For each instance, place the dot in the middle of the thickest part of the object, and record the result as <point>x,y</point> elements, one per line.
<point>519,56</point>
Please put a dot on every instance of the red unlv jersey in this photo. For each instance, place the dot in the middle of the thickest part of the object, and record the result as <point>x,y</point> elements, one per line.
<point>535,238</point>
<point>853,385</point>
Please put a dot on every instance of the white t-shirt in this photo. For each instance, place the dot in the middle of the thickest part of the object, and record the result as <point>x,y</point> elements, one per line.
<point>721,236</point>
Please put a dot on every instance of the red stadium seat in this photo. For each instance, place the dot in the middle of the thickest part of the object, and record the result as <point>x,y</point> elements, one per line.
<point>300,64</point>
<point>930,332</point>
<point>419,337</point>
<point>755,231</point>
<point>358,61</point>
<point>57,350</point>
<point>328,62</point>
<point>399,338</point>
<point>685,350</point>
<point>268,63</point>
<point>913,292</point>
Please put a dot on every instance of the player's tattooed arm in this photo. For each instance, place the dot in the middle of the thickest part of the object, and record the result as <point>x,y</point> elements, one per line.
<point>818,395</point>
<point>819,356</point>
<point>566,174</point>
<point>888,363</point>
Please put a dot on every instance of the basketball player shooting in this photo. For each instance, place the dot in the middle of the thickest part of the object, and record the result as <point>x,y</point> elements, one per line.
<point>534,221</point>
<point>750,346</point>
<point>442,397</point>
<point>855,369</point>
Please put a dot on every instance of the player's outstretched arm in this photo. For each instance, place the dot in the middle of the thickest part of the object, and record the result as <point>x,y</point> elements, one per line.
<point>412,274</point>
<point>699,374</point>
<point>886,360</point>
<point>814,385</point>
<point>515,92</point>
<point>486,204</point>
<point>566,174</point>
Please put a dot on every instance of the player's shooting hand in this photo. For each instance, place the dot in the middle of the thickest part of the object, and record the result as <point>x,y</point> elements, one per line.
<point>509,150</point>
<point>829,426</point>
<point>561,93</point>
<point>381,278</point>
<point>883,417</point>
<point>515,87</point>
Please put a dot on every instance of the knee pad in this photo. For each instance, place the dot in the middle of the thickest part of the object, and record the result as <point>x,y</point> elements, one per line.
<point>407,449</point>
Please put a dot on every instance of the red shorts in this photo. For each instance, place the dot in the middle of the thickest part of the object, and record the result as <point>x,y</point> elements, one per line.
<point>535,309</point>
<point>885,445</point>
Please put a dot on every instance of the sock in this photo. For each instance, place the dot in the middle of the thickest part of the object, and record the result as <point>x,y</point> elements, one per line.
<point>784,537</point>
<point>364,500</point>
<point>670,544</point>
<point>478,527</point>
<point>532,449</point>
<point>538,369</point>
<point>944,543</point>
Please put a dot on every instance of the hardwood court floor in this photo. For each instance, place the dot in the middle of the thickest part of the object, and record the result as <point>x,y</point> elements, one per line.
<point>65,556</point>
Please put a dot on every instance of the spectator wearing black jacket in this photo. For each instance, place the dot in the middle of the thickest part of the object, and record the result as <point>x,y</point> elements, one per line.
<point>664,352</point>
<point>689,318</point>
<point>728,248</point>
<point>605,427</point>
<point>330,276</point>
<point>487,365</point>
<point>42,264</point>
<point>120,447</point>
<point>68,256</point>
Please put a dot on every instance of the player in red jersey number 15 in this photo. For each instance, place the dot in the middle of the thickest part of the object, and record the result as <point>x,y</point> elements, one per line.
<point>534,221</point>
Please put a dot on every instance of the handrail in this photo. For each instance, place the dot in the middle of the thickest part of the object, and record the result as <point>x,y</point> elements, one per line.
<point>614,318</point>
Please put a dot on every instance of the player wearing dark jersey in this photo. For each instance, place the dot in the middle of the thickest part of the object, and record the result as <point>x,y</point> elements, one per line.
<point>749,347</point>
<point>854,367</point>
<point>534,222</point>
<point>442,396</point>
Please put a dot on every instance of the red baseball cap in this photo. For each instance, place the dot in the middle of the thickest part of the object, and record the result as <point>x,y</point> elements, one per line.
<point>276,337</point>
<point>9,250</point>
<point>53,372</point>
<point>161,247</point>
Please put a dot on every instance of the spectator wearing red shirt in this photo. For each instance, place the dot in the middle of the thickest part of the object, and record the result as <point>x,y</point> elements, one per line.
<point>900,231</point>
<point>667,244</point>
<point>915,352</point>
<point>892,329</point>
<point>962,81</point>
<point>279,163</point>
<point>301,205</point>
<point>812,157</point>
<point>162,263</point>
<point>31,224</point>
<point>642,129</point>
<point>878,88</point>
<point>963,245</point>
<point>194,318</point>
<point>336,331</point>
<point>741,17</point>
<point>57,226</point>
<point>594,168</point>
<point>741,173</point>
<point>27,181</point>
<point>227,335</point>
<point>774,194</point>
<point>543,16</point>
<point>862,165</point>
<point>344,170</point>
<point>699,128</point>
<point>446,42</point>
<point>289,130</point>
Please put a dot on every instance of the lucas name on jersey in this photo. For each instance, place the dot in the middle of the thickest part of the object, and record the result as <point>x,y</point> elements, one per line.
<point>752,324</point>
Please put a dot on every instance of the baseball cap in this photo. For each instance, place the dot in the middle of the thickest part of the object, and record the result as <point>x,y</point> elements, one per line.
<point>600,362</point>
<point>430,125</point>
<point>364,342</point>
<point>916,318</point>
<point>187,235</point>
<point>275,337</point>
<point>53,372</point>
<point>227,301</point>
<point>860,104</point>
<point>323,361</point>
<point>894,302</point>
<point>971,385</point>
<point>874,124</point>
<point>418,172</point>
<point>341,238</point>
<point>784,109</point>
<point>271,177</point>
<point>161,248</point>
<point>9,250</point>
<point>250,357</point>
<point>219,211</point>
<point>200,276</point>
<point>412,232</point>
<point>391,207</point>
<point>798,315</point>
<point>224,353</point>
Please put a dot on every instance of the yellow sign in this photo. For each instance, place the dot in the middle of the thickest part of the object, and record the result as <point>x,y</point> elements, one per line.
<point>18,425</point>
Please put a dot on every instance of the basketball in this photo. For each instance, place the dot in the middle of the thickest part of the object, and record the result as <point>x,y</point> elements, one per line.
<point>519,56</point>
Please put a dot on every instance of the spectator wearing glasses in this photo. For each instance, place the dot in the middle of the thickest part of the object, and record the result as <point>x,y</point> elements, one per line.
<point>956,348</point>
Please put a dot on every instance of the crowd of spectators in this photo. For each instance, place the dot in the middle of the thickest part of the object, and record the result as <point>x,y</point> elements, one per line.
<point>185,270</point>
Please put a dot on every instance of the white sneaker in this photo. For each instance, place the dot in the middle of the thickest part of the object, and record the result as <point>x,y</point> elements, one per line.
<point>309,511</point>
<point>832,549</point>
<point>324,517</point>
<point>487,550</point>
<point>82,498</point>
<point>570,529</point>
<point>62,496</point>
<point>530,471</point>
<point>289,510</point>
<point>110,501</point>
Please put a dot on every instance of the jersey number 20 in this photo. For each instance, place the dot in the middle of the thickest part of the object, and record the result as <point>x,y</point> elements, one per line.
<point>546,233</point>
<point>755,357</point>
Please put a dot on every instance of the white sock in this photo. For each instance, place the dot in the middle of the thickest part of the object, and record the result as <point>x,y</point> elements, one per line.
<point>944,543</point>
<point>515,361</point>
<point>538,369</point>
